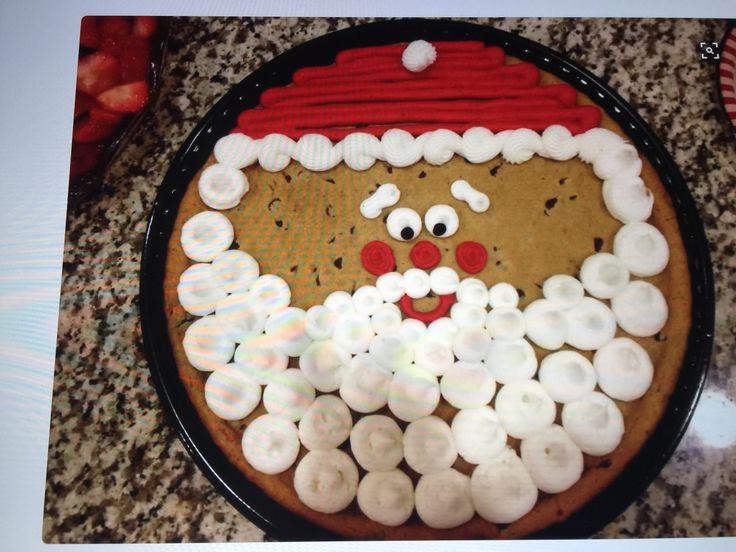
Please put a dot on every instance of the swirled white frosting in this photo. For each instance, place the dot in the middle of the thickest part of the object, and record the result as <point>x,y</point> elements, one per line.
<point>418,55</point>
<point>610,155</point>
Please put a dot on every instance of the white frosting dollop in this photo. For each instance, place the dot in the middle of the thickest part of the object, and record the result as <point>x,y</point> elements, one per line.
<point>316,152</point>
<point>418,55</point>
<point>276,152</point>
<point>521,145</point>
<point>441,145</point>
<point>559,143</point>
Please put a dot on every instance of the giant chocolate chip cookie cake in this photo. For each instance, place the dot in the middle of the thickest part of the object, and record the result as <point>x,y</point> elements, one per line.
<point>428,291</point>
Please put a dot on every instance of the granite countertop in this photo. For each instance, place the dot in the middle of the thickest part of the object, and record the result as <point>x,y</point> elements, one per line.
<point>117,471</point>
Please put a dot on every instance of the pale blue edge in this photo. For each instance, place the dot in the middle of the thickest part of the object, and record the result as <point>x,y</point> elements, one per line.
<point>37,65</point>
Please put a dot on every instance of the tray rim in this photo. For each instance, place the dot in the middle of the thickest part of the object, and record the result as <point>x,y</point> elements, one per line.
<point>275,520</point>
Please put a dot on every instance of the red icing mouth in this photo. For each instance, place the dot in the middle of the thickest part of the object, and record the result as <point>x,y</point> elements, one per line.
<point>406,304</point>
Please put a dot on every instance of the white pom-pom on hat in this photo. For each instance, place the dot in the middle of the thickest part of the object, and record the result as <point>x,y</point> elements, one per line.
<point>418,55</point>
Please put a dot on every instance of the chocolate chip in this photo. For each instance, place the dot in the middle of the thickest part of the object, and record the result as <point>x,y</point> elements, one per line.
<point>330,180</point>
<point>573,197</point>
<point>498,263</point>
<point>389,169</point>
<point>294,268</point>
<point>550,203</point>
<point>563,180</point>
<point>597,244</point>
<point>317,280</point>
<point>338,262</point>
<point>331,240</point>
<point>352,229</point>
<point>521,293</point>
<point>287,177</point>
<point>279,223</point>
<point>439,229</point>
<point>494,170</point>
<point>328,211</point>
<point>422,174</point>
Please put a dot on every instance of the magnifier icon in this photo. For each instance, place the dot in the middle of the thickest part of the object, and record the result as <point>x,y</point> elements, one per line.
<point>709,50</point>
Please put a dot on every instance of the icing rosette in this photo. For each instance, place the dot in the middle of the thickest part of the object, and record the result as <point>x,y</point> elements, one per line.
<point>471,257</point>
<point>425,255</point>
<point>377,258</point>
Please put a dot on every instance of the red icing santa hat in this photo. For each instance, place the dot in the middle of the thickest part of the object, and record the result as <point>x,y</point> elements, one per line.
<point>417,88</point>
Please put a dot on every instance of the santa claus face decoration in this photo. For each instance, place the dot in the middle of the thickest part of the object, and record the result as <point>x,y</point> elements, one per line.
<point>403,223</point>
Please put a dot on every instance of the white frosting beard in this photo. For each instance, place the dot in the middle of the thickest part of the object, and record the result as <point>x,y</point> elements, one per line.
<point>362,347</point>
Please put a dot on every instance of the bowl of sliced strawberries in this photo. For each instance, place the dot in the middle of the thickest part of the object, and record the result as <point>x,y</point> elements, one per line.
<point>118,70</point>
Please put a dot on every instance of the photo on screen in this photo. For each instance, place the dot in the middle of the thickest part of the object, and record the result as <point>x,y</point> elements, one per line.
<point>396,279</point>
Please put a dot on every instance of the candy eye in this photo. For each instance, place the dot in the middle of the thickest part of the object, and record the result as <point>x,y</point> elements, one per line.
<point>441,221</point>
<point>404,224</point>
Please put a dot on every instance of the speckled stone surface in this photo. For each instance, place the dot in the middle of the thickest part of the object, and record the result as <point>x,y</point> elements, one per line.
<point>117,471</point>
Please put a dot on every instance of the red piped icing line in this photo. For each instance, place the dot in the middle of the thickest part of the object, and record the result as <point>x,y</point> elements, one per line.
<point>369,90</point>
<point>431,89</point>
<point>359,54</point>
<point>392,68</point>
<point>406,304</point>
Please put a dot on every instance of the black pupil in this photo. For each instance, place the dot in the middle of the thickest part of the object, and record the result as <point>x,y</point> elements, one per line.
<point>439,229</point>
<point>407,233</point>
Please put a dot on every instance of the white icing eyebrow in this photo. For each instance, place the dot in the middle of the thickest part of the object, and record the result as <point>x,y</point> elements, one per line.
<point>463,191</point>
<point>385,196</point>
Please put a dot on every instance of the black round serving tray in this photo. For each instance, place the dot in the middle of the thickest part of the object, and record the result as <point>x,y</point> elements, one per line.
<point>275,520</point>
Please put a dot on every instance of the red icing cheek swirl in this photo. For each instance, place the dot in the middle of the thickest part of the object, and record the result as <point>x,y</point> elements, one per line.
<point>425,255</point>
<point>471,257</point>
<point>377,258</point>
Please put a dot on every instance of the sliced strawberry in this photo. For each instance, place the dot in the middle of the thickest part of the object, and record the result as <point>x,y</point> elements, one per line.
<point>112,45</point>
<point>133,53</point>
<point>84,157</point>
<point>96,126</point>
<point>114,26</point>
<point>97,72</point>
<point>144,25</point>
<point>89,34</point>
<point>125,98</point>
<point>83,103</point>
<point>135,59</point>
